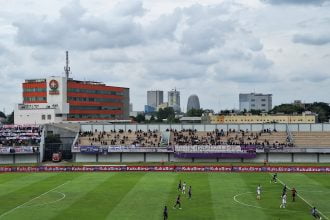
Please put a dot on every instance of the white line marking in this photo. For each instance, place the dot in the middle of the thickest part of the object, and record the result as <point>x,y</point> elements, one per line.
<point>17,207</point>
<point>259,207</point>
<point>47,203</point>
<point>303,199</point>
<point>242,203</point>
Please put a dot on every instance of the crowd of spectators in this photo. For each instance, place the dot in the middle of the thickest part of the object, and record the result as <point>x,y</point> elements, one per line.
<point>16,135</point>
<point>139,138</point>
<point>265,138</point>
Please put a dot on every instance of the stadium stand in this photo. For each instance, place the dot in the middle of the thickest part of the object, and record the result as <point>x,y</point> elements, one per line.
<point>264,138</point>
<point>121,138</point>
<point>15,135</point>
<point>311,139</point>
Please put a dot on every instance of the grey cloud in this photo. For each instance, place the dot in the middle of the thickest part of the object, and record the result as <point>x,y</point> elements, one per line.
<point>261,62</point>
<point>165,26</point>
<point>310,39</point>
<point>315,77</point>
<point>296,2</point>
<point>175,70</point>
<point>75,30</point>
<point>133,8</point>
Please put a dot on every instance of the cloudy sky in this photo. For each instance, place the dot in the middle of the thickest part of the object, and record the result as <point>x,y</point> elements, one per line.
<point>215,49</point>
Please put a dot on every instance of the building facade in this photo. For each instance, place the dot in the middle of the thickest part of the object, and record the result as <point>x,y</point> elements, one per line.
<point>58,99</point>
<point>155,98</point>
<point>193,102</point>
<point>255,101</point>
<point>263,118</point>
<point>174,100</point>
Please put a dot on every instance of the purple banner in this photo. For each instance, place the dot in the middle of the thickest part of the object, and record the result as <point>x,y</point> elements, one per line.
<point>215,155</point>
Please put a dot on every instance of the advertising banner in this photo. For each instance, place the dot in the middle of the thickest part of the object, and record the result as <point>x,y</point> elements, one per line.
<point>122,168</point>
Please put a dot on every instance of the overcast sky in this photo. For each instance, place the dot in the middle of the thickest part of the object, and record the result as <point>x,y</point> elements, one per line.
<point>212,48</point>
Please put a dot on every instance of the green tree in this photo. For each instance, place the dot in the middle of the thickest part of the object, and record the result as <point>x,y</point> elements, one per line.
<point>140,118</point>
<point>166,113</point>
<point>321,109</point>
<point>195,112</point>
<point>10,118</point>
<point>288,109</point>
<point>2,115</point>
<point>255,112</point>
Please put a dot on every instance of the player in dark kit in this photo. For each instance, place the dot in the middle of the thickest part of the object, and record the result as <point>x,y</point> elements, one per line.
<point>293,192</point>
<point>189,192</point>
<point>178,202</point>
<point>179,186</point>
<point>284,190</point>
<point>165,213</point>
<point>274,179</point>
<point>315,213</point>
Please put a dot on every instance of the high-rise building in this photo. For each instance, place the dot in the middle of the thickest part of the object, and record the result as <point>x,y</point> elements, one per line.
<point>155,98</point>
<point>255,101</point>
<point>174,100</point>
<point>193,102</point>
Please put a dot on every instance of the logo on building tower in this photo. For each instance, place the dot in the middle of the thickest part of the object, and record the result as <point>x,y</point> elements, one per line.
<point>53,85</point>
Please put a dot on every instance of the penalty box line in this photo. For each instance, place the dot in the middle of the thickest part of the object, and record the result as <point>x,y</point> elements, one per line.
<point>17,207</point>
<point>303,199</point>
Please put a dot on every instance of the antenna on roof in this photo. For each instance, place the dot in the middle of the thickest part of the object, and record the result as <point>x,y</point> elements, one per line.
<point>67,68</point>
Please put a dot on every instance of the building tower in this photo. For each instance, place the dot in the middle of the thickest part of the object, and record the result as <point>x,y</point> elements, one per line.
<point>174,100</point>
<point>155,98</point>
<point>67,68</point>
<point>193,102</point>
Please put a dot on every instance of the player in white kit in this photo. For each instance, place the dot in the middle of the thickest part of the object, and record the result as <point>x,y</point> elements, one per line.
<point>258,192</point>
<point>184,188</point>
<point>283,205</point>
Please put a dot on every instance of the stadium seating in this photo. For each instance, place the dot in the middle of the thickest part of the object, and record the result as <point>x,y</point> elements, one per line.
<point>311,139</point>
<point>171,137</point>
<point>263,138</point>
<point>121,138</point>
<point>15,135</point>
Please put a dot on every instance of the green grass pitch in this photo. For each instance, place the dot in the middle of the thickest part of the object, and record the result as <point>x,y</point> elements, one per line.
<point>143,195</point>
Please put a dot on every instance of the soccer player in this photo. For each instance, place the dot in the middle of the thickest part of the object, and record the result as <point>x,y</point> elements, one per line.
<point>189,192</point>
<point>165,213</point>
<point>283,205</point>
<point>179,186</point>
<point>284,190</point>
<point>274,178</point>
<point>258,192</point>
<point>178,202</point>
<point>315,213</point>
<point>184,188</point>
<point>294,192</point>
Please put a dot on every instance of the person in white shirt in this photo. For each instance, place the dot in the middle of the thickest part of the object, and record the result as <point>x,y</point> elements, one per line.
<point>283,205</point>
<point>184,188</point>
<point>258,192</point>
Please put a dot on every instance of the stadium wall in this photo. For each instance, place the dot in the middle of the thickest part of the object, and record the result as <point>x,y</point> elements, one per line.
<point>19,158</point>
<point>169,157</point>
<point>208,127</point>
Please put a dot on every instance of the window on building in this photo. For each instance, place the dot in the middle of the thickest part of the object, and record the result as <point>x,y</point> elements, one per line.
<point>252,100</point>
<point>263,100</point>
<point>43,117</point>
<point>49,117</point>
<point>263,104</point>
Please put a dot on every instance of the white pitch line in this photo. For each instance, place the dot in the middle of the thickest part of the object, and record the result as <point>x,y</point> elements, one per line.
<point>48,203</point>
<point>303,199</point>
<point>17,207</point>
